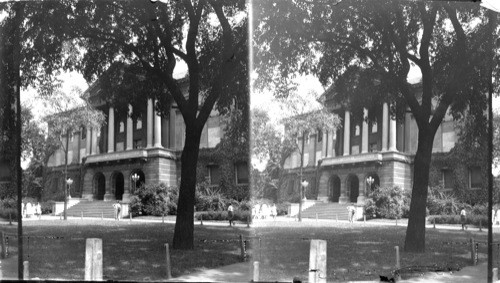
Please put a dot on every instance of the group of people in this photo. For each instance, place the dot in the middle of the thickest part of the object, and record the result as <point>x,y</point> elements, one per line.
<point>29,210</point>
<point>262,211</point>
<point>495,216</point>
<point>117,209</point>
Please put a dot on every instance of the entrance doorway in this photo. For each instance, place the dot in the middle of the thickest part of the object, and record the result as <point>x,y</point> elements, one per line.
<point>334,193</point>
<point>99,186</point>
<point>353,188</point>
<point>118,185</point>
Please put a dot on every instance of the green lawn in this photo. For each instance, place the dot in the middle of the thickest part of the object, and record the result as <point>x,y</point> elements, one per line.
<point>131,251</point>
<point>356,252</point>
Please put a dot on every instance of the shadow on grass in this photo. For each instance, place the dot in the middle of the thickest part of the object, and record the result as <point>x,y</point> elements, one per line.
<point>355,252</point>
<point>131,251</point>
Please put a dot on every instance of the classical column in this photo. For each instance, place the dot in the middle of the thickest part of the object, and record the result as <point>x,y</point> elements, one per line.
<point>88,142</point>
<point>347,132</point>
<point>385,118</point>
<point>172,128</point>
<point>157,130</point>
<point>130,129</point>
<point>94,141</point>
<point>364,133</point>
<point>362,188</point>
<point>324,146</point>
<point>111,130</point>
<point>392,135</point>
<point>150,124</point>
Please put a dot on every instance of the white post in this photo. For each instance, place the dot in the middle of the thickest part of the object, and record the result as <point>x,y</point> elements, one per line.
<point>398,265</point>
<point>364,133</point>
<point>169,268</point>
<point>149,135</point>
<point>130,129</point>
<point>385,118</point>
<point>347,132</point>
<point>111,130</point>
<point>255,271</point>
<point>26,270</point>
<point>93,259</point>
<point>317,262</point>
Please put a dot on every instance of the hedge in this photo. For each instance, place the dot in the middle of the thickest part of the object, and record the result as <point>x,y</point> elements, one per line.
<point>238,215</point>
<point>475,220</point>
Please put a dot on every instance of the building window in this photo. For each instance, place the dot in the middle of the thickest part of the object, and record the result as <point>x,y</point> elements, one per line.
<point>306,136</point>
<point>447,179</point>
<point>357,130</point>
<point>213,174</point>
<point>122,127</point>
<point>71,136</point>
<point>138,124</point>
<point>374,127</point>
<point>83,133</point>
<point>241,173</point>
<point>319,136</point>
<point>137,143</point>
<point>475,178</point>
<point>373,147</point>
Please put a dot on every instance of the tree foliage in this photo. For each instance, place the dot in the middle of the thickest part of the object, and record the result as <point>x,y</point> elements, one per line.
<point>366,50</point>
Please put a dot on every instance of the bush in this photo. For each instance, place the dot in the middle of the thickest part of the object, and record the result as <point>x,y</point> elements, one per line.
<point>386,203</point>
<point>156,199</point>
<point>210,199</point>
<point>46,207</point>
<point>238,215</point>
<point>282,208</point>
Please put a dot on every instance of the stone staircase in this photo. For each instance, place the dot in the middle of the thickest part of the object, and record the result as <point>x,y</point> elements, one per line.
<point>95,208</point>
<point>327,211</point>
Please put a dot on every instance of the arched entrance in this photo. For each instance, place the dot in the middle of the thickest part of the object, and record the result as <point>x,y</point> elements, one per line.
<point>334,185</point>
<point>353,188</point>
<point>375,182</point>
<point>99,187</point>
<point>139,183</point>
<point>118,185</point>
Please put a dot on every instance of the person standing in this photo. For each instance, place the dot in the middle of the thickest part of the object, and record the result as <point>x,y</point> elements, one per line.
<point>463,218</point>
<point>38,210</point>
<point>230,210</point>
<point>274,211</point>
<point>117,208</point>
<point>351,210</point>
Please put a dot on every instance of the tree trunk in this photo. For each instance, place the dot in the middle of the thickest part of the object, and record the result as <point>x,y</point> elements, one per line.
<point>184,225</point>
<point>415,232</point>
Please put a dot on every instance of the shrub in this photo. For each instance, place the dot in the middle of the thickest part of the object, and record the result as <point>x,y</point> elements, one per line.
<point>282,208</point>
<point>210,199</point>
<point>156,199</point>
<point>386,203</point>
<point>46,207</point>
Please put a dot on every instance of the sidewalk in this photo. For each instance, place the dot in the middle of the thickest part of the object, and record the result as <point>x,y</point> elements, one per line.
<point>238,272</point>
<point>8,268</point>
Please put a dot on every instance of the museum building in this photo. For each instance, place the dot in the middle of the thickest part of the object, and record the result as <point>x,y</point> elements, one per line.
<point>102,162</point>
<point>344,165</point>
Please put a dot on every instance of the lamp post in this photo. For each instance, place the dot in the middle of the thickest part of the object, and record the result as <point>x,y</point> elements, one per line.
<point>370,181</point>
<point>69,181</point>
<point>135,178</point>
<point>304,184</point>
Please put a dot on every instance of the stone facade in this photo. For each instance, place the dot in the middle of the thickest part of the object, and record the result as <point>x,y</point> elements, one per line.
<point>102,161</point>
<point>343,160</point>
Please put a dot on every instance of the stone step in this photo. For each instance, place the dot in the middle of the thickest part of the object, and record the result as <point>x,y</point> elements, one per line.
<point>92,209</point>
<point>327,211</point>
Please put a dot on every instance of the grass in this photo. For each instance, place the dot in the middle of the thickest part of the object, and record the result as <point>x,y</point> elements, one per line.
<point>131,251</point>
<point>356,252</point>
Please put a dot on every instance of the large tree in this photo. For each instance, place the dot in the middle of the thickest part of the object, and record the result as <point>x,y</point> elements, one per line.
<point>142,42</point>
<point>367,48</point>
